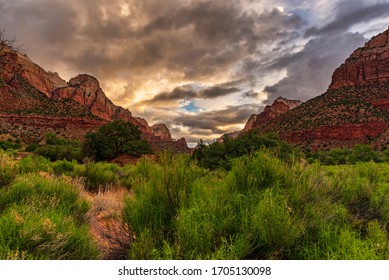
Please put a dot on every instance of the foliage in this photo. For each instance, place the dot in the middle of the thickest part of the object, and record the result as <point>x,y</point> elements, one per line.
<point>359,153</point>
<point>44,218</point>
<point>263,208</point>
<point>34,163</point>
<point>8,145</point>
<point>113,139</point>
<point>219,155</point>
<point>8,169</point>
<point>57,149</point>
<point>100,176</point>
<point>158,199</point>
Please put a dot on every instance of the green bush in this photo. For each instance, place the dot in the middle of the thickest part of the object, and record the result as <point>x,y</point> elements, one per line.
<point>63,167</point>
<point>219,155</point>
<point>158,199</point>
<point>100,176</point>
<point>263,208</point>
<point>34,163</point>
<point>8,145</point>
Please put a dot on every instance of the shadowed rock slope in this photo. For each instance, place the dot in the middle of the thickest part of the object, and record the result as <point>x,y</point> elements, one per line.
<point>355,108</point>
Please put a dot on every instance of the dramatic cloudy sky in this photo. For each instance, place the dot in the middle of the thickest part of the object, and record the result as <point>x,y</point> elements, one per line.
<point>200,66</point>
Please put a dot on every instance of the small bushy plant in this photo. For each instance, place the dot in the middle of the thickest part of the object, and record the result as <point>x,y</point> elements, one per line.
<point>34,163</point>
<point>100,176</point>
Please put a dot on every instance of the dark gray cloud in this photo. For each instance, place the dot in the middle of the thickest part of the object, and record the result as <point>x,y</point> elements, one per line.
<point>218,48</point>
<point>188,92</point>
<point>206,123</point>
<point>350,13</point>
<point>196,38</point>
<point>309,71</point>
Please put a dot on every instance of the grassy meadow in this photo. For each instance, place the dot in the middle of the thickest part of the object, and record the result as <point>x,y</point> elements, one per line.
<point>262,207</point>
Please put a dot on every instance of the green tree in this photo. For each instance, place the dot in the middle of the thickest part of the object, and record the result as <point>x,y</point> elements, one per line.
<point>363,153</point>
<point>113,139</point>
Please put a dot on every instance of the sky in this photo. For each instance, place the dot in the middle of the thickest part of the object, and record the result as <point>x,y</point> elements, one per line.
<point>202,67</point>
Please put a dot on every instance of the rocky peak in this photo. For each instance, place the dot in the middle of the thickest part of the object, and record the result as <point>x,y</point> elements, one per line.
<point>162,131</point>
<point>280,106</point>
<point>366,65</point>
<point>19,74</point>
<point>15,66</point>
<point>86,90</point>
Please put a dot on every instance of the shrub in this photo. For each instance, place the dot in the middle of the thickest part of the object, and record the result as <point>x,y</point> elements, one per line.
<point>219,155</point>
<point>34,163</point>
<point>63,167</point>
<point>100,176</point>
<point>158,199</point>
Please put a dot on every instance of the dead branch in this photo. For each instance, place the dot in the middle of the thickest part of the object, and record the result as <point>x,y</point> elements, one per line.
<point>8,42</point>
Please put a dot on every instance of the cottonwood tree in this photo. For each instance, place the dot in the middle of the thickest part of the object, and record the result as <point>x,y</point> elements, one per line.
<point>113,139</point>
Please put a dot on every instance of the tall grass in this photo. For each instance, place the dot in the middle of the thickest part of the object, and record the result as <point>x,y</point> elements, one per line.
<point>263,208</point>
<point>44,218</point>
<point>158,197</point>
<point>8,169</point>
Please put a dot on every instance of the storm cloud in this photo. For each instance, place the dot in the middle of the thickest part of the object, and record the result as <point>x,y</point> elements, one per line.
<point>200,66</point>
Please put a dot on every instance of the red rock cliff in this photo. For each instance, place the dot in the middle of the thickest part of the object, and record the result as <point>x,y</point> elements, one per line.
<point>280,106</point>
<point>20,76</point>
<point>366,65</point>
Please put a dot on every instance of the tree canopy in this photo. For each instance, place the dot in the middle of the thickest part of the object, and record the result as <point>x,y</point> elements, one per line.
<point>113,139</point>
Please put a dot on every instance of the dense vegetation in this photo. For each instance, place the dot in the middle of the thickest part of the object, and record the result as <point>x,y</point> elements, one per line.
<point>263,208</point>
<point>56,148</point>
<point>113,139</point>
<point>250,198</point>
<point>41,216</point>
<point>220,154</point>
<point>359,153</point>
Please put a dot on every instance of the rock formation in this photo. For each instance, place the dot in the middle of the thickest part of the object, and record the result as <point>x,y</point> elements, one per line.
<point>366,65</point>
<point>355,108</point>
<point>32,98</point>
<point>162,131</point>
<point>280,106</point>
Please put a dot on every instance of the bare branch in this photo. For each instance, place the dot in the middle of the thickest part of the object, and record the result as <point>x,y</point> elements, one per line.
<point>7,42</point>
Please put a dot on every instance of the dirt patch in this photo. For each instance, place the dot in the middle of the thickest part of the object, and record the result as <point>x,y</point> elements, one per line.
<point>106,224</point>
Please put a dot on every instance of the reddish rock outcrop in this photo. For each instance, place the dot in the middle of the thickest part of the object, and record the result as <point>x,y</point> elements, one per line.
<point>280,106</point>
<point>86,90</point>
<point>257,121</point>
<point>338,135</point>
<point>32,128</point>
<point>366,65</point>
<point>355,109</point>
<point>41,98</point>
<point>15,64</point>
<point>160,130</point>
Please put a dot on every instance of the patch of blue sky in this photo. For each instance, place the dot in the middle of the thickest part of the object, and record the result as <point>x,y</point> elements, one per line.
<point>189,106</point>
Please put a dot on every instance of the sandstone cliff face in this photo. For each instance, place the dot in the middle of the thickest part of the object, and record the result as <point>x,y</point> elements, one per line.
<point>366,65</point>
<point>257,121</point>
<point>337,135</point>
<point>280,106</point>
<point>27,89</point>
<point>355,108</point>
<point>86,90</point>
<point>16,65</point>
<point>162,131</point>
